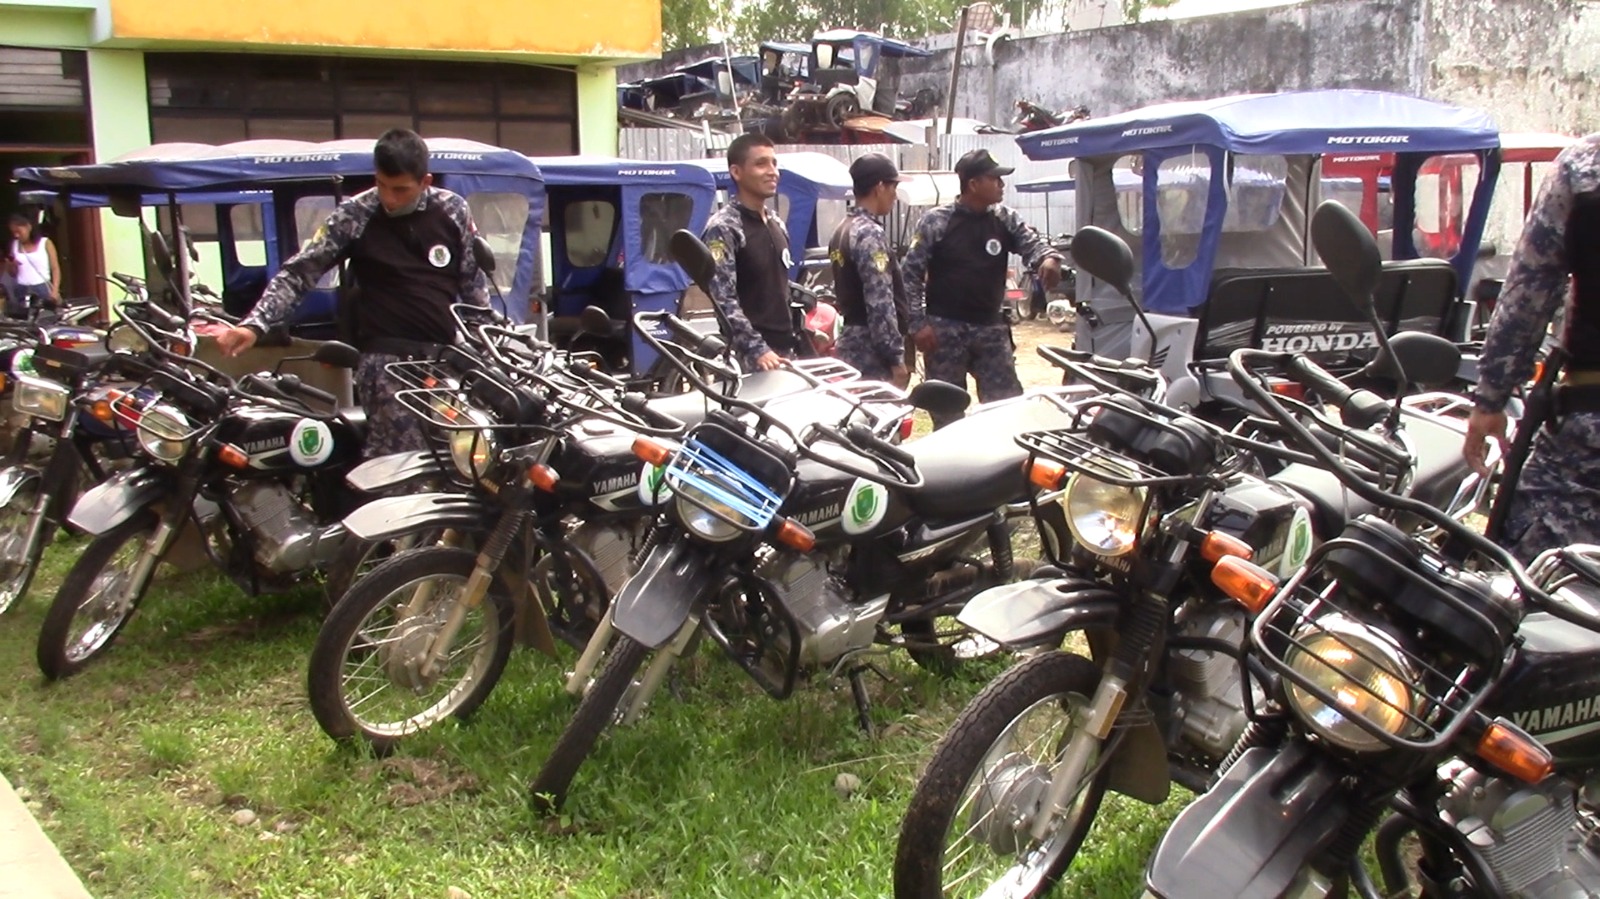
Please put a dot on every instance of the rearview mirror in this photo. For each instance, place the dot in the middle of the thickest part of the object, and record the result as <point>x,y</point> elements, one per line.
<point>1348,250</point>
<point>594,320</point>
<point>940,398</point>
<point>694,258</point>
<point>1105,256</point>
<point>1427,360</point>
<point>483,255</point>
<point>124,202</point>
<point>338,355</point>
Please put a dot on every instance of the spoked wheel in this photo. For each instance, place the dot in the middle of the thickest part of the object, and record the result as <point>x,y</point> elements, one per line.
<point>358,558</point>
<point>377,671</point>
<point>19,557</point>
<point>967,829</point>
<point>596,712</point>
<point>97,597</point>
<point>573,594</point>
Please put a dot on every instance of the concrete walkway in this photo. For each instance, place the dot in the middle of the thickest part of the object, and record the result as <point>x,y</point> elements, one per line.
<point>30,866</point>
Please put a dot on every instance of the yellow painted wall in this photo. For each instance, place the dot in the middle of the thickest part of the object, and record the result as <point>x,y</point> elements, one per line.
<point>609,29</point>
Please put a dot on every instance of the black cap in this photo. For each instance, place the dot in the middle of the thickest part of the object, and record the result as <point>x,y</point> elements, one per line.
<point>979,162</point>
<point>871,170</point>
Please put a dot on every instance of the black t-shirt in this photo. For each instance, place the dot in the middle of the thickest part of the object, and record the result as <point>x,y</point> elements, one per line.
<point>408,269</point>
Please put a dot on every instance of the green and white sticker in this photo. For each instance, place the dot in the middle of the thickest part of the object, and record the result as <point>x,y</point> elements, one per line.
<point>311,443</point>
<point>1298,546</point>
<point>653,487</point>
<point>864,507</point>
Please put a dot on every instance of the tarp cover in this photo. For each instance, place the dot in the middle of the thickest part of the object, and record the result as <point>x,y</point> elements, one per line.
<point>1327,121</point>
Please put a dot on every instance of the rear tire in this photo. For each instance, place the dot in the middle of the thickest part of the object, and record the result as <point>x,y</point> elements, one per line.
<point>19,561</point>
<point>62,651</point>
<point>596,712</point>
<point>964,772</point>
<point>367,650</point>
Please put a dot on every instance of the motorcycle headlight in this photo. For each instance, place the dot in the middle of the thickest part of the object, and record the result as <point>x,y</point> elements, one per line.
<point>718,498</point>
<point>1103,517</point>
<point>473,451</point>
<point>41,398</point>
<point>164,433</point>
<point>1364,669</point>
<point>126,339</point>
<point>701,515</point>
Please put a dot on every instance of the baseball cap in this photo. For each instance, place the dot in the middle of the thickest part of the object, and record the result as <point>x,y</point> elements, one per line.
<point>871,170</point>
<point>980,162</point>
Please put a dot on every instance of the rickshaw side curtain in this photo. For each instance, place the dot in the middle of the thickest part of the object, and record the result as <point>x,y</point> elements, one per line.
<point>1170,290</point>
<point>648,267</point>
<point>802,215</point>
<point>529,271</point>
<point>1404,184</point>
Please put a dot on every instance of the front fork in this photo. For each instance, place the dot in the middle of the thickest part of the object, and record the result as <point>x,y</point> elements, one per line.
<point>488,562</point>
<point>640,694</point>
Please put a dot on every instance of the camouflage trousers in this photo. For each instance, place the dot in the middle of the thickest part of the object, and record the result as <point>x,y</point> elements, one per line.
<point>855,347</point>
<point>984,351</point>
<point>391,427</point>
<point>1557,502</point>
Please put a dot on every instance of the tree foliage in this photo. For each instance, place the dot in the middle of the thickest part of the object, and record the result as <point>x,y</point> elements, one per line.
<point>688,23</point>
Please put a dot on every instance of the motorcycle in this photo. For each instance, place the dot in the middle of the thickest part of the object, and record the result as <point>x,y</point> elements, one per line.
<point>251,463</point>
<point>1408,693</point>
<point>1157,501</point>
<point>548,487</point>
<point>1033,117</point>
<point>798,545</point>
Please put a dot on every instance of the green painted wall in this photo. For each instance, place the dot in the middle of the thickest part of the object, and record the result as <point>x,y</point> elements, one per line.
<point>119,117</point>
<point>25,26</point>
<point>597,110</point>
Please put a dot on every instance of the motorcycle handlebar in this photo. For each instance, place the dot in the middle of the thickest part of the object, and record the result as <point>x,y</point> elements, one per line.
<point>1361,408</point>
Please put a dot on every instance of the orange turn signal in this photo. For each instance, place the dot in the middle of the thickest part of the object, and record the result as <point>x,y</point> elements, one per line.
<point>1515,753</point>
<point>1538,372</point>
<point>1294,390</point>
<point>1246,582</point>
<point>651,451</point>
<point>233,456</point>
<point>544,477</point>
<point>1216,545</point>
<point>1046,474</point>
<point>796,536</point>
<point>907,425</point>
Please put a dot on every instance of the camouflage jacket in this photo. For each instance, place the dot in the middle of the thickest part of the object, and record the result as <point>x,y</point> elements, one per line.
<point>931,229</point>
<point>1536,288</point>
<point>724,236</point>
<point>331,242</point>
<point>872,260</point>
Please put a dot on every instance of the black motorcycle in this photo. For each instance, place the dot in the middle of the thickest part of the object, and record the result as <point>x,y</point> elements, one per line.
<point>1437,701</point>
<point>257,465</point>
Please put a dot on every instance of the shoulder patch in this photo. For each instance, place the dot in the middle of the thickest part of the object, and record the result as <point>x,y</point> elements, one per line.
<point>718,248</point>
<point>880,260</point>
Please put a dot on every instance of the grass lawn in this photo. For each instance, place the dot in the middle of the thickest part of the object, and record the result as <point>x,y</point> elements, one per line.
<point>143,767</point>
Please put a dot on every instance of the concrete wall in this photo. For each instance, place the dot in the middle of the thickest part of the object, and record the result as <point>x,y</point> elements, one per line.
<point>1328,43</point>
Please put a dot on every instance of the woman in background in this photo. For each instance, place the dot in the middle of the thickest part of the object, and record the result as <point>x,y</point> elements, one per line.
<point>35,268</point>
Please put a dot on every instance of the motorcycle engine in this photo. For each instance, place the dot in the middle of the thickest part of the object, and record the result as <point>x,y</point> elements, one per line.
<point>285,537</point>
<point>829,621</point>
<point>1540,841</point>
<point>1210,703</point>
<point>610,548</point>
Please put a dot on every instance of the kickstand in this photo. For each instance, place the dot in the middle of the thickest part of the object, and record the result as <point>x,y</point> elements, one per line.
<point>858,692</point>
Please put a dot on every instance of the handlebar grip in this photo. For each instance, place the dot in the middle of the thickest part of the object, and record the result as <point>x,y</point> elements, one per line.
<point>293,384</point>
<point>1359,408</point>
<point>862,436</point>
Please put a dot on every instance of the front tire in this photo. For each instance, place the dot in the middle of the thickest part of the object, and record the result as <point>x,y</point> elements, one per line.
<point>594,714</point>
<point>966,827</point>
<point>97,598</point>
<point>18,558</point>
<point>365,679</point>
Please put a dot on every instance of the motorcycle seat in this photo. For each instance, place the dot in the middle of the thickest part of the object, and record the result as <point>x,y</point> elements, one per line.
<point>974,464</point>
<point>757,387</point>
<point>357,417</point>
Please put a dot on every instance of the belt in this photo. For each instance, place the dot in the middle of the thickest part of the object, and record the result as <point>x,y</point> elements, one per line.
<point>1583,377</point>
<point>398,346</point>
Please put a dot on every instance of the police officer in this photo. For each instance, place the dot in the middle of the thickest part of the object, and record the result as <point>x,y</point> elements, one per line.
<point>410,250</point>
<point>866,277</point>
<point>1557,498</point>
<point>955,279</point>
<point>751,250</point>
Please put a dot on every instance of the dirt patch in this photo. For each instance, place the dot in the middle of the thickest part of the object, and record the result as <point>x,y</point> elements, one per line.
<point>417,781</point>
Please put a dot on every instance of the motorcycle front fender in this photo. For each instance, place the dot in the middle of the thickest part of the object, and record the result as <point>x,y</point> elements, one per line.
<point>118,498</point>
<point>1255,832</point>
<point>1028,613</point>
<point>13,479</point>
<point>393,471</point>
<point>654,604</point>
<point>397,516</point>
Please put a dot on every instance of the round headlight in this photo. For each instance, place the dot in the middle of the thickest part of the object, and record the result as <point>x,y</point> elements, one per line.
<point>700,522</point>
<point>163,433</point>
<point>1364,669</point>
<point>126,339</point>
<point>1103,517</point>
<point>473,451</point>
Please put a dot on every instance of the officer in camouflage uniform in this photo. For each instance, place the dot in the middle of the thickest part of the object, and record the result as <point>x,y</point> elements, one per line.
<point>410,250</point>
<point>1557,499</point>
<point>866,278</point>
<point>955,278</point>
<point>751,249</point>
